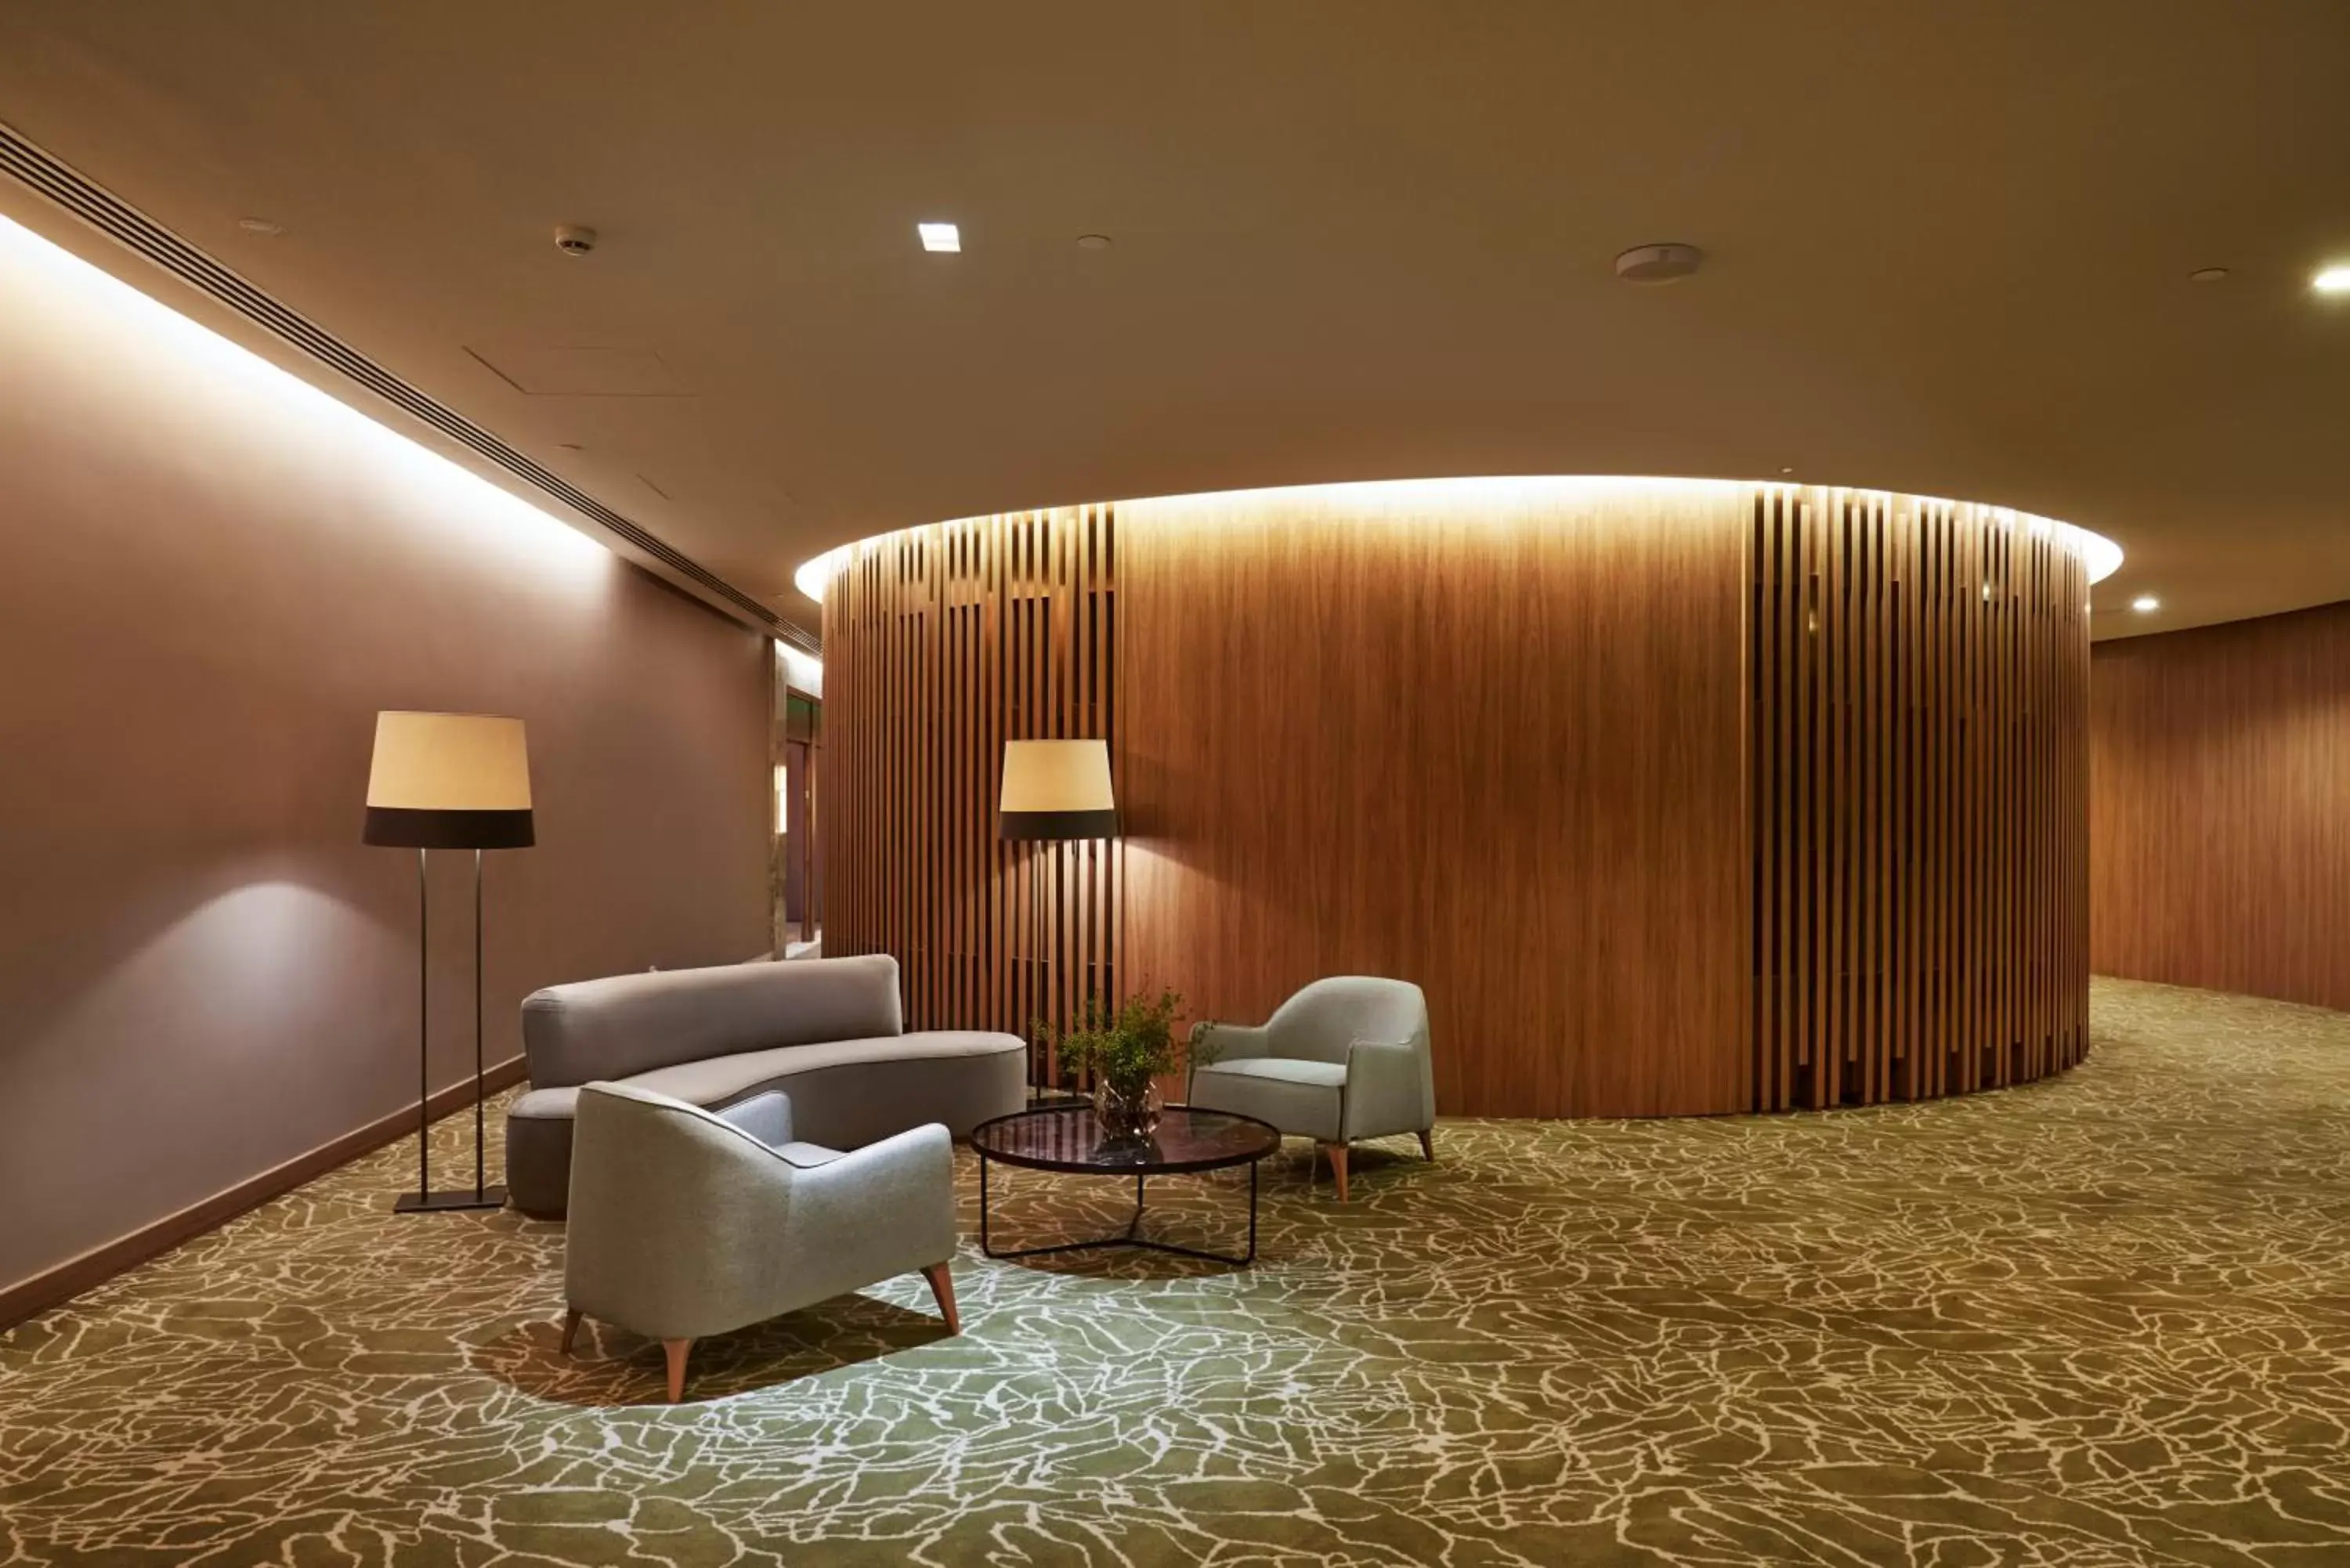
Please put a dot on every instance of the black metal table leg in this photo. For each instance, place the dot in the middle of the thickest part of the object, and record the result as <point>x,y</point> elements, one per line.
<point>1130,1239</point>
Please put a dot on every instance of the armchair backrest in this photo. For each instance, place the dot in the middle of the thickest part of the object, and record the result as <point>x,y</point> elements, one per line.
<point>1329,1015</point>
<point>633,1138</point>
<point>668,1206</point>
<point>632,1024</point>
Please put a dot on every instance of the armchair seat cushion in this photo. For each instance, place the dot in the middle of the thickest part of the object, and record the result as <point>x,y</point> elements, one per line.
<point>1285,1069</point>
<point>1300,1097</point>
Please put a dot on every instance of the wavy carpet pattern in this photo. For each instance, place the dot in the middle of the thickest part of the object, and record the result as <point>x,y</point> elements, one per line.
<point>2100,1320</point>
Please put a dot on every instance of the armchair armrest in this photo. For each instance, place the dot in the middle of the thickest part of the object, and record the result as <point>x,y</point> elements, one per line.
<point>1234,1041</point>
<point>1390,1088</point>
<point>875,1212</point>
<point>767,1117</point>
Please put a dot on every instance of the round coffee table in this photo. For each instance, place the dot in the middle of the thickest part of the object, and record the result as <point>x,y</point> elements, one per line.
<point>1068,1139</point>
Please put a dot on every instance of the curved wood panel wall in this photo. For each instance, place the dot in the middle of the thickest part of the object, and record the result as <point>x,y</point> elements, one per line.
<point>1676,796</point>
<point>1920,672</point>
<point>2221,854</point>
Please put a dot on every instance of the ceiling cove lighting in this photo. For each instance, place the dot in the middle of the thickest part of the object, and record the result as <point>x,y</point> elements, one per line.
<point>812,575</point>
<point>802,671</point>
<point>2334,279</point>
<point>145,341</point>
<point>940,236</point>
<point>2145,603</point>
<point>2100,557</point>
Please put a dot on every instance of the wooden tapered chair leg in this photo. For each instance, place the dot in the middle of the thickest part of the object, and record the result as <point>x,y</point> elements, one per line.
<point>942,1278</point>
<point>676,1350</point>
<point>1427,1144</point>
<point>570,1329</point>
<point>1337,1153</point>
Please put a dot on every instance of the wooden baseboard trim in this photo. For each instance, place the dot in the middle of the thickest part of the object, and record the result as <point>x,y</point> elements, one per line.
<point>51,1287</point>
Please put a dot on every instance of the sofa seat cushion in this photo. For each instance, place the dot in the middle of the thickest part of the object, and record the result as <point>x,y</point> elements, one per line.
<point>1297,1095</point>
<point>721,1080</point>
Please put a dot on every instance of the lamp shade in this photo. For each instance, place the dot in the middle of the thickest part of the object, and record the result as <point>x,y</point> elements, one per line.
<point>449,781</point>
<point>1057,790</point>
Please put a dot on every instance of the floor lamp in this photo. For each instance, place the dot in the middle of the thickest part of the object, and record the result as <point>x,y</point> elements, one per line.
<point>447,780</point>
<point>1054,792</point>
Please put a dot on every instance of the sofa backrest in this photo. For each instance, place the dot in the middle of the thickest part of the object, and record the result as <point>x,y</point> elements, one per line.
<point>634,1023</point>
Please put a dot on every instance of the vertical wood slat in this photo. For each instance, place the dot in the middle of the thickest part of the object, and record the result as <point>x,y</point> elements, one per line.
<point>943,642</point>
<point>1918,672</point>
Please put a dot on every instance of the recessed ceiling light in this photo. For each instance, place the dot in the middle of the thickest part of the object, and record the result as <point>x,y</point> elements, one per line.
<point>1790,469</point>
<point>260,226</point>
<point>940,236</point>
<point>1093,242</point>
<point>2145,603</point>
<point>2208,275</point>
<point>2334,279</point>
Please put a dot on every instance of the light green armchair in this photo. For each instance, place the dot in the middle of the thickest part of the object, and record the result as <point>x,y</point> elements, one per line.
<point>685,1222</point>
<point>1346,1058</point>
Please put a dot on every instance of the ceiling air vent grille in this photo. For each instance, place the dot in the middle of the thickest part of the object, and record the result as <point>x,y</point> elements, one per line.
<point>95,206</point>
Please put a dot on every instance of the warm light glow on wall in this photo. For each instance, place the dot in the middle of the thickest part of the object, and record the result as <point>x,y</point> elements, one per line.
<point>1396,500</point>
<point>812,575</point>
<point>161,353</point>
<point>802,671</point>
<point>782,799</point>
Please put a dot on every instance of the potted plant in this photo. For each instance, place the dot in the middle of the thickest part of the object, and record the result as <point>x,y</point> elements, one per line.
<point>1126,1048</point>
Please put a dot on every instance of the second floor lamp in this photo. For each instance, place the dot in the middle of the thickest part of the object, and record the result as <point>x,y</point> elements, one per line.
<point>1054,792</point>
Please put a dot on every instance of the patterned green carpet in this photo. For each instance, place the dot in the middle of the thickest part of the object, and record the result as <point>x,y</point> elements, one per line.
<point>2103,1320</point>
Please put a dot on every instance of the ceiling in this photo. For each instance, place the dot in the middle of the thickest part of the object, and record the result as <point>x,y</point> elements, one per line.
<point>1948,245</point>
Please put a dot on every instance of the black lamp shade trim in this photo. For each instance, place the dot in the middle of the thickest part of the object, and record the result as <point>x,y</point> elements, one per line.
<point>397,827</point>
<point>1056,824</point>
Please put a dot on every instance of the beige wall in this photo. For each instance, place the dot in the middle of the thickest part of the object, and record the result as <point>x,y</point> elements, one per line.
<point>211,576</point>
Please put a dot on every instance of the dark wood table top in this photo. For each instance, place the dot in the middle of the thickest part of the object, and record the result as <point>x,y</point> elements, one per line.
<point>1069,1138</point>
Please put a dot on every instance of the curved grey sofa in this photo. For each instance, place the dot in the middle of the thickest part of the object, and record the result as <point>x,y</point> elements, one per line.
<point>825,1031</point>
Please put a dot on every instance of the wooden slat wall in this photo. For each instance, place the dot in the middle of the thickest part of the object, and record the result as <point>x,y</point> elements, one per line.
<point>1674,797</point>
<point>1488,736</point>
<point>1919,675</point>
<point>942,643</point>
<point>2219,844</point>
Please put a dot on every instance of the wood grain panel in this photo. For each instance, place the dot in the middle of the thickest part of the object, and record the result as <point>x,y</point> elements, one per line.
<point>2220,844</point>
<point>1919,676</point>
<point>1676,796</point>
<point>942,643</point>
<point>1484,736</point>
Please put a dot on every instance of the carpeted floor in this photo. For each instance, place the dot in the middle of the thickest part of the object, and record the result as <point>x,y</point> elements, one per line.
<point>2103,1320</point>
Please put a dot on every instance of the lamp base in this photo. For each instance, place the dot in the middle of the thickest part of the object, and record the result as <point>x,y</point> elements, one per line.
<point>450,1202</point>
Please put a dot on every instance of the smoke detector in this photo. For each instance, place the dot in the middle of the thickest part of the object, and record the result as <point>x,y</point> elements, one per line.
<point>1658,263</point>
<point>573,240</point>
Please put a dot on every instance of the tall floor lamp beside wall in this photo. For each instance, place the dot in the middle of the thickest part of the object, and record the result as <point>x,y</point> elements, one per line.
<point>1054,792</point>
<point>447,780</point>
